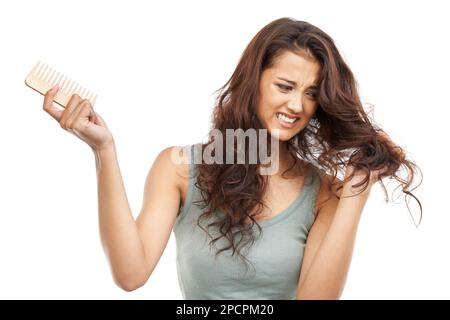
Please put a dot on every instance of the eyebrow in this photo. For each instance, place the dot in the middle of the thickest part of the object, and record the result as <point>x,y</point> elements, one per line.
<point>295,83</point>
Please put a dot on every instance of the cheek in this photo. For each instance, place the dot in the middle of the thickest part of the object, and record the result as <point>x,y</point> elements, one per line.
<point>261,113</point>
<point>310,109</point>
<point>268,108</point>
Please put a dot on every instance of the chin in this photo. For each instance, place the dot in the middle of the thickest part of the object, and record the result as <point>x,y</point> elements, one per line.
<point>285,134</point>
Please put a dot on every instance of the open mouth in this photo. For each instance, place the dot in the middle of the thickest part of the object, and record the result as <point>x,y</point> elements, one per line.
<point>283,118</point>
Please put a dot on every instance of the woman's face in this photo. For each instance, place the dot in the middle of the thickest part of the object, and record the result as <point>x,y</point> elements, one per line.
<point>287,94</point>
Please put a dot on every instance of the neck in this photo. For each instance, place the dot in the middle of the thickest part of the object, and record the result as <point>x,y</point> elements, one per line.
<point>286,160</point>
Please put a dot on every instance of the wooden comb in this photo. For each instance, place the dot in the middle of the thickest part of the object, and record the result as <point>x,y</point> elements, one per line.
<point>42,78</point>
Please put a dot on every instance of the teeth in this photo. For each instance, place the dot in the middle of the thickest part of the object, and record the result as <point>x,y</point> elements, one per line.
<point>285,118</point>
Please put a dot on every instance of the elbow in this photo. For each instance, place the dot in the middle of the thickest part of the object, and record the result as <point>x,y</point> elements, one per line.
<point>128,287</point>
<point>131,278</point>
<point>129,284</point>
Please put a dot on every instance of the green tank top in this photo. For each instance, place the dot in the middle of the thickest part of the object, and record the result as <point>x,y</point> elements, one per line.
<point>276,254</point>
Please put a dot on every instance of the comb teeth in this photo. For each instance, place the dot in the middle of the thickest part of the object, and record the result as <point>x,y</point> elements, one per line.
<point>42,78</point>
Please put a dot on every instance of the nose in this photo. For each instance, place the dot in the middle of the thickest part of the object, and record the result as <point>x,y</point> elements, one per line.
<point>295,104</point>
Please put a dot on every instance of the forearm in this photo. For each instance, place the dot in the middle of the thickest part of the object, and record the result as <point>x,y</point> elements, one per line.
<point>118,230</point>
<point>327,274</point>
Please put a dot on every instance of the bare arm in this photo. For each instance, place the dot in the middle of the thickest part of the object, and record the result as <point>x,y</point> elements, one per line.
<point>134,247</point>
<point>118,231</point>
<point>330,245</point>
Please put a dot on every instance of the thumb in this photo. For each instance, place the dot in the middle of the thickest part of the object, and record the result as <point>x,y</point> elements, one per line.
<point>98,120</point>
<point>49,106</point>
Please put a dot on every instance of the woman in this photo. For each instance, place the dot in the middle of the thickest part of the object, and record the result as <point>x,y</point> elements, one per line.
<point>297,230</point>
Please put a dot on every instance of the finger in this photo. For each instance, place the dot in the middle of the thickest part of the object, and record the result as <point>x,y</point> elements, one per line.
<point>399,152</point>
<point>80,124</point>
<point>48,105</point>
<point>82,111</point>
<point>71,106</point>
<point>99,120</point>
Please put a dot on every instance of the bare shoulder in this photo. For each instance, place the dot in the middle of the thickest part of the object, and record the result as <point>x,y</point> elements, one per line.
<point>167,182</point>
<point>177,157</point>
<point>176,160</point>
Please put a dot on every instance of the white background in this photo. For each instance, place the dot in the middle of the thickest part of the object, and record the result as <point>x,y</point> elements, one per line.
<point>155,66</point>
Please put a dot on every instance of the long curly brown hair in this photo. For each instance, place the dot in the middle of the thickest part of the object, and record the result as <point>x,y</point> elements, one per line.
<point>339,134</point>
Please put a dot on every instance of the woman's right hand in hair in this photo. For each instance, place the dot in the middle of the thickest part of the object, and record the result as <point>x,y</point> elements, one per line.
<point>79,118</point>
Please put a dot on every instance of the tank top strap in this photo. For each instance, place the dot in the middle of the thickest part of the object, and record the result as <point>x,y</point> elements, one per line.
<point>191,180</point>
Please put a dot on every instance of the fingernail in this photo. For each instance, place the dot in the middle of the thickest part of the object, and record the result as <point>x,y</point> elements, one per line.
<point>55,87</point>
